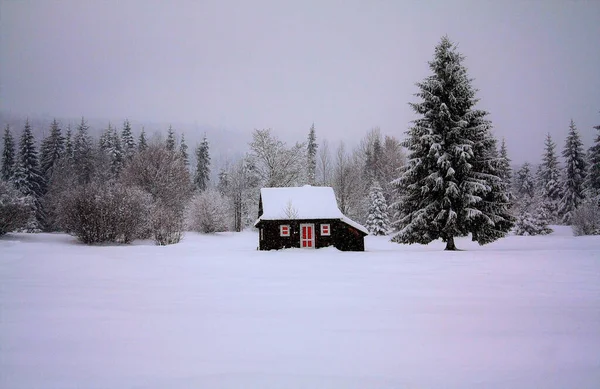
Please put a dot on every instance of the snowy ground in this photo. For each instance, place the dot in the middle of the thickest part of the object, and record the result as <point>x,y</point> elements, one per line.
<point>212,312</point>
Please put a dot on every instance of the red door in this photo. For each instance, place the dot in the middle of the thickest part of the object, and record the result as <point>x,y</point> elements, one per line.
<point>307,235</point>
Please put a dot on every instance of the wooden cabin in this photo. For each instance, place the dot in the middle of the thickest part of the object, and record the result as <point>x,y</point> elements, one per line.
<point>305,217</point>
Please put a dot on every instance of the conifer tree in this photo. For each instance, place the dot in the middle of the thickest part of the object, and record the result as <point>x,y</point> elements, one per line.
<point>592,181</point>
<point>115,152</point>
<point>142,143</point>
<point>127,142</point>
<point>170,139</point>
<point>83,162</point>
<point>378,222</point>
<point>549,172</point>
<point>311,151</point>
<point>573,175</point>
<point>524,181</point>
<point>183,151</point>
<point>202,175</point>
<point>51,150</point>
<point>223,184</point>
<point>68,144</point>
<point>8,155</point>
<point>505,170</point>
<point>27,178</point>
<point>451,185</point>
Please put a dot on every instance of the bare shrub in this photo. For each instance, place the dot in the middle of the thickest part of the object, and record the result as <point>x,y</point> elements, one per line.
<point>585,220</point>
<point>15,209</point>
<point>101,212</point>
<point>208,212</point>
<point>163,175</point>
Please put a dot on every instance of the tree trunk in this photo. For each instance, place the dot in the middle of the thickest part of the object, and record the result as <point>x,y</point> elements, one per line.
<point>450,244</point>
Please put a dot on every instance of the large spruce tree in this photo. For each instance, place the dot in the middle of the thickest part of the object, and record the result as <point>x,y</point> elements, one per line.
<point>170,139</point>
<point>8,155</point>
<point>202,175</point>
<point>183,151</point>
<point>573,175</point>
<point>451,185</point>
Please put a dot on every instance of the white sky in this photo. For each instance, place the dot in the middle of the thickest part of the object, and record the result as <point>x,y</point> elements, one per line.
<point>347,66</point>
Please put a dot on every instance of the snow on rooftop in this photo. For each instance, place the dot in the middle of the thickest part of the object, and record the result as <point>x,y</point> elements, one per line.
<point>305,202</point>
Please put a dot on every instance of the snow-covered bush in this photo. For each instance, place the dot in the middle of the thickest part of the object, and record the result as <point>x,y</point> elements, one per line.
<point>585,220</point>
<point>378,222</point>
<point>208,212</point>
<point>100,212</point>
<point>15,209</point>
<point>163,175</point>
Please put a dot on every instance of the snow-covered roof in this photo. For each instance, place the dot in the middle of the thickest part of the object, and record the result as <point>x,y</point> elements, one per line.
<point>305,202</point>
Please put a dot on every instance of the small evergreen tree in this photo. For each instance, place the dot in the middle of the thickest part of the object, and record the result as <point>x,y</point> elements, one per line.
<point>573,176</point>
<point>450,186</point>
<point>202,175</point>
<point>183,151</point>
<point>378,222</point>
<point>68,145</point>
<point>142,142</point>
<point>505,171</point>
<point>592,181</point>
<point>549,173</point>
<point>8,155</point>
<point>311,151</point>
<point>116,153</point>
<point>83,161</point>
<point>127,142</point>
<point>524,182</point>
<point>170,139</point>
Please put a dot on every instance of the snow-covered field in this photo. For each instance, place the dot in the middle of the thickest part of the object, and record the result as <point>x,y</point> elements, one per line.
<point>212,312</point>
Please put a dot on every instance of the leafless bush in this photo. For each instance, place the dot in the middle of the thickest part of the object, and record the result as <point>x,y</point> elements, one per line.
<point>209,212</point>
<point>15,209</point>
<point>163,175</point>
<point>585,220</point>
<point>167,224</point>
<point>105,212</point>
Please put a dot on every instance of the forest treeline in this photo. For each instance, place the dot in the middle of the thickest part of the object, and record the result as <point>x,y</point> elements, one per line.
<point>449,177</point>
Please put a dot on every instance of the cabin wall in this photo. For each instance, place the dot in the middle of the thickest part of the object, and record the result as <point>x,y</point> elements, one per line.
<point>343,236</point>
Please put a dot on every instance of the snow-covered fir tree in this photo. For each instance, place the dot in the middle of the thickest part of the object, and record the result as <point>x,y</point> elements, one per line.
<point>378,221</point>
<point>183,151</point>
<point>170,139</point>
<point>27,178</point>
<point>142,142</point>
<point>573,175</point>
<point>83,159</point>
<point>127,141</point>
<point>223,184</point>
<point>116,153</point>
<point>529,223</point>
<point>8,154</point>
<point>525,182</point>
<point>451,185</point>
<point>311,152</point>
<point>548,180</point>
<point>202,175</point>
<point>505,170</point>
<point>51,150</point>
<point>69,144</point>
<point>592,180</point>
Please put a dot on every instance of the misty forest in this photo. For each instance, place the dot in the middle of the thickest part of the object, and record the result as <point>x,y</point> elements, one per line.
<point>448,176</point>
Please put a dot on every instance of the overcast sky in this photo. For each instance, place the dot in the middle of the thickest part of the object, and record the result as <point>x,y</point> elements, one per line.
<point>345,65</point>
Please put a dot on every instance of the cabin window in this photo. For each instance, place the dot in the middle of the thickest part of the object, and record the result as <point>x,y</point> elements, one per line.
<point>325,230</point>
<point>284,230</point>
